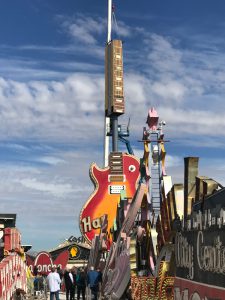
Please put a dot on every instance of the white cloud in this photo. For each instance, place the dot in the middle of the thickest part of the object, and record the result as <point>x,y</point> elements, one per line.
<point>64,109</point>
<point>193,122</point>
<point>57,189</point>
<point>85,29</point>
<point>136,88</point>
<point>173,161</point>
<point>51,109</point>
<point>14,146</point>
<point>164,57</point>
<point>53,190</point>
<point>123,30</point>
<point>169,89</point>
<point>51,160</point>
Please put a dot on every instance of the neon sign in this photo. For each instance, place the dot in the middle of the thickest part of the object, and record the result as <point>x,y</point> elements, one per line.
<point>43,262</point>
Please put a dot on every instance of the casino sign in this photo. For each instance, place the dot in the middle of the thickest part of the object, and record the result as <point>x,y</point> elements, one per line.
<point>78,251</point>
<point>69,253</point>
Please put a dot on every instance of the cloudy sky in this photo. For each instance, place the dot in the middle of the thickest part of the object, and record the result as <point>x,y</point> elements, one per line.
<point>52,98</point>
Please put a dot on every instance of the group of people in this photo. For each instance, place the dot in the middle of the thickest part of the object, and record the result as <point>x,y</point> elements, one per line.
<point>74,279</point>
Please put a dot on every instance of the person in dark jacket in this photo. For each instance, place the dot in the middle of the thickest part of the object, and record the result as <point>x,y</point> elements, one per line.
<point>60,272</point>
<point>74,273</point>
<point>93,280</point>
<point>81,284</point>
<point>70,283</point>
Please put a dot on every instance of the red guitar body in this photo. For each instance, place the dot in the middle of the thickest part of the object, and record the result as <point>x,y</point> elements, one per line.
<point>106,196</point>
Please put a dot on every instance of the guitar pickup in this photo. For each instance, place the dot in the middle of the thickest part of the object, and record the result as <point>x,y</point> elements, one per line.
<point>116,178</point>
<point>116,189</point>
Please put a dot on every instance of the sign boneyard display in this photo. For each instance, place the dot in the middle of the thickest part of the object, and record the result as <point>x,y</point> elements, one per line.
<point>169,243</point>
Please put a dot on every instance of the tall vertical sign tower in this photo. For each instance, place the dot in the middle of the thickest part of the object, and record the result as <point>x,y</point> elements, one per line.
<point>114,91</point>
<point>121,172</point>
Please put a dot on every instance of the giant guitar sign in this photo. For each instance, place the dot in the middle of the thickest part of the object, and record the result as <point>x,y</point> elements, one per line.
<point>121,175</point>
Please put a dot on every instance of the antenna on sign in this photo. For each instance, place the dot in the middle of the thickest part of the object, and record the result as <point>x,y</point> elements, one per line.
<point>110,7</point>
<point>115,21</point>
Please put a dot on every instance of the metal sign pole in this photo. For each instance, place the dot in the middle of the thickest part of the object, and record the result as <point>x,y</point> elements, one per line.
<point>107,120</point>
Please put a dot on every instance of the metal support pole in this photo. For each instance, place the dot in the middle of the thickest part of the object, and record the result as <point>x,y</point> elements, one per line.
<point>106,142</point>
<point>114,133</point>
<point>109,20</point>
<point>107,120</point>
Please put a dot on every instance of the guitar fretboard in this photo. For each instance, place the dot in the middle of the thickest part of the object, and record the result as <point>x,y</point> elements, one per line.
<point>116,166</point>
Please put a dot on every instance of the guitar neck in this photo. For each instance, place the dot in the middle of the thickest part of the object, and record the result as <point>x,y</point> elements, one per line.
<point>116,167</point>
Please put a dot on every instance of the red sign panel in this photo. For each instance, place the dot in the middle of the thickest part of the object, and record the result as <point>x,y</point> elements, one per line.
<point>43,262</point>
<point>185,289</point>
<point>12,239</point>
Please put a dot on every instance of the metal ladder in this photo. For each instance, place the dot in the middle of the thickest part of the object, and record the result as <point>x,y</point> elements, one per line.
<point>155,172</point>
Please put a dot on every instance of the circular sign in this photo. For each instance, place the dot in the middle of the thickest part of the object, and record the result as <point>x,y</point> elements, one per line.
<point>43,263</point>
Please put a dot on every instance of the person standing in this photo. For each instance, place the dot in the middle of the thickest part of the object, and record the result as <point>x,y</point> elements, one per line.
<point>73,279</point>
<point>54,281</point>
<point>60,272</point>
<point>93,280</point>
<point>69,284</point>
<point>99,281</point>
<point>81,284</point>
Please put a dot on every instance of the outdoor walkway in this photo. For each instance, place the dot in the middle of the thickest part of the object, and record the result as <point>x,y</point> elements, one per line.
<point>62,296</point>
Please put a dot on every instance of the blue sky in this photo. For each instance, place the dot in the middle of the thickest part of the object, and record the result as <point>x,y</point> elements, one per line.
<point>52,98</point>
